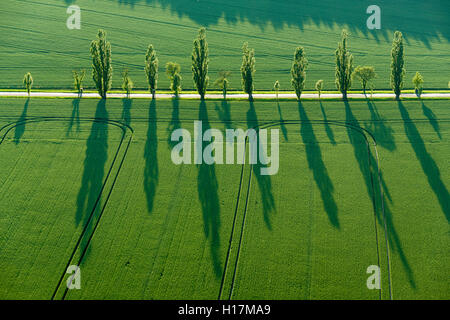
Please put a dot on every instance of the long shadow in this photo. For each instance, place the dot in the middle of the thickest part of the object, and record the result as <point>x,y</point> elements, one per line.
<point>20,129</point>
<point>264,181</point>
<point>427,112</point>
<point>126,110</point>
<point>89,195</point>
<point>75,118</point>
<point>383,213</point>
<point>224,113</point>
<point>174,123</point>
<point>328,13</point>
<point>151,171</point>
<point>317,166</point>
<point>378,127</point>
<point>429,166</point>
<point>282,125</point>
<point>208,195</point>
<point>328,129</point>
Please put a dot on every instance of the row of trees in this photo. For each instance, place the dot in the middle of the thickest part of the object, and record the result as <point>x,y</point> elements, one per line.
<point>344,72</point>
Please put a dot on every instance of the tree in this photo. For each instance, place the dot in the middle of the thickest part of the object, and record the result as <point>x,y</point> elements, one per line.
<point>176,84</point>
<point>151,69</point>
<point>397,64</point>
<point>365,74</point>
<point>127,84</point>
<point>28,82</point>
<point>344,66</point>
<point>248,70</point>
<point>78,78</point>
<point>372,88</point>
<point>222,82</point>
<point>418,83</point>
<point>276,87</point>
<point>101,63</point>
<point>173,71</point>
<point>200,63</point>
<point>319,87</point>
<point>298,71</point>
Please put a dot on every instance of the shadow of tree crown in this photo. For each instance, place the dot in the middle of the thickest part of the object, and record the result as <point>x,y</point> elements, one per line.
<point>420,20</point>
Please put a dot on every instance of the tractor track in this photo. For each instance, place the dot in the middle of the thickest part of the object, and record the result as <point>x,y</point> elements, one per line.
<point>365,133</point>
<point>125,128</point>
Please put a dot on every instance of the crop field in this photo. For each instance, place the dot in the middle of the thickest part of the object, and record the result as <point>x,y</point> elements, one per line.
<point>36,39</point>
<point>223,150</point>
<point>90,182</point>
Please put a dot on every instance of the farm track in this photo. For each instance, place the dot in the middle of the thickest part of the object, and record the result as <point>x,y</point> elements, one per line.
<point>230,96</point>
<point>125,128</point>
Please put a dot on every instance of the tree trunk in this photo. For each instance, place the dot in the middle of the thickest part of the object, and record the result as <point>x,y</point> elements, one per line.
<point>344,95</point>
<point>153,94</point>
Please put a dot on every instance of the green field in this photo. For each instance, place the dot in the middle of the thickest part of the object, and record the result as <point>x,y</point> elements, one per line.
<point>35,38</point>
<point>91,183</point>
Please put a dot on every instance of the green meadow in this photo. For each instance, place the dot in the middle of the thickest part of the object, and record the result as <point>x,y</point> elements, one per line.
<point>35,39</point>
<point>91,183</point>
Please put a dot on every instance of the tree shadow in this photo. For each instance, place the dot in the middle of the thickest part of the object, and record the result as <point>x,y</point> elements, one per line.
<point>75,117</point>
<point>377,126</point>
<point>126,110</point>
<point>327,13</point>
<point>317,166</point>
<point>282,125</point>
<point>328,129</point>
<point>19,130</point>
<point>151,171</point>
<point>429,166</point>
<point>89,195</point>
<point>264,181</point>
<point>224,113</point>
<point>174,123</point>
<point>427,112</point>
<point>366,161</point>
<point>209,198</point>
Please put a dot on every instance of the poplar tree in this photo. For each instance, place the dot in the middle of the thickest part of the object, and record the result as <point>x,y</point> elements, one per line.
<point>298,71</point>
<point>344,66</point>
<point>101,63</point>
<point>397,64</point>
<point>200,63</point>
<point>151,69</point>
<point>248,70</point>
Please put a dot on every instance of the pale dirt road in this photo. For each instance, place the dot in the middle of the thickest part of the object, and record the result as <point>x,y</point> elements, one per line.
<point>258,96</point>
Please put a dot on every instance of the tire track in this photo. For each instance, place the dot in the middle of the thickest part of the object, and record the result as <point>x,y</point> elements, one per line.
<point>365,133</point>
<point>125,128</point>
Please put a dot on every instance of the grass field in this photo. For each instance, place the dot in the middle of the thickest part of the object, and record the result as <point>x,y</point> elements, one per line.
<point>91,183</point>
<point>35,38</point>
